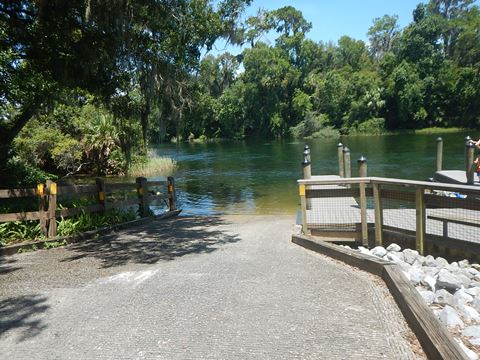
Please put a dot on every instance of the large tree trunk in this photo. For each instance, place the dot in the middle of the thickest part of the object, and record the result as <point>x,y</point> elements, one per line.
<point>10,131</point>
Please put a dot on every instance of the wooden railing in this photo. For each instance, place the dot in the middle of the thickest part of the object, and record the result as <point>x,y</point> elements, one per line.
<point>46,195</point>
<point>371,210</point>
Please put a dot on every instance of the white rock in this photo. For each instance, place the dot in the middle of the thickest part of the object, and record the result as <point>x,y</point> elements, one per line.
<point>446,280</point>
<point>461,296</point>
<point>407,274</point>
<point>430,270</point>
<point>441,262</point>
<point>429,260</point>
<point>474,341</point>
<point>463,264</point>
<point>416,275</point>
<point>476,304</point>
<point>472,331</point>
<point>395,257</point>
<point>466,273</point>
<point>443,297</point>
<point>476,266</point>
<point>468,313</point>
<point>379,251</point>
<point>450,318</point>
<point>429,282</point>
<point>410,256</point>
<point>473,291</point>
<point>394,247</point>
<point>472,271</point>
<point>364,250</point>
<point>470,354</point>
<point>453,267</point>
<point>427,295</point>
<point>465,280</point>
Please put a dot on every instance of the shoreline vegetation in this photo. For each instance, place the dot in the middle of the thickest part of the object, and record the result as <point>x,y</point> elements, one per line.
<point>153,165</point>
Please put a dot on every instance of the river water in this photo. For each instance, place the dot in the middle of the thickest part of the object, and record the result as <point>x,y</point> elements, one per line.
<point>259,177</point>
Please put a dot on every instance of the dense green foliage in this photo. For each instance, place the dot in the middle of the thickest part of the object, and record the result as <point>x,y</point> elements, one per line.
<point>424,75</point>
<point>133,58</point>
<point>16,231</point>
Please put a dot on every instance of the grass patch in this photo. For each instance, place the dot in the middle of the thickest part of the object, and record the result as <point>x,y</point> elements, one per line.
<point>153,166</point>
<point>437,130</point>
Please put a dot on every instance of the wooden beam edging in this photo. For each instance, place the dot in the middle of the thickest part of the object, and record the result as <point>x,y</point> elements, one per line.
<point>435,339</point>
<point>87,235</point>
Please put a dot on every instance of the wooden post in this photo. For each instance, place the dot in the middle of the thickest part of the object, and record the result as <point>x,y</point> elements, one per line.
<point>142,191</point>
<point>307,165</point>
<point>439,154</point>
<point>41,208</point>
<point>341,166</point>
<point>303,205</point>
<point>420,220</point>
<point>377,201</point>
<point>172,201</point>
<point>101,193</point>
<point>362,172</point>
<point>52,207</point>
<point>467,141</point>
<point>469,167</point>
<point>347,162</point>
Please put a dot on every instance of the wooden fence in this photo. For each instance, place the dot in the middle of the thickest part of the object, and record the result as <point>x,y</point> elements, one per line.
<point>374,211</point>
<point>47,197</point>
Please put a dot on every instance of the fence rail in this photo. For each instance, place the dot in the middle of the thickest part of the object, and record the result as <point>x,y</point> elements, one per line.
<point>375,211</point>
<point>46,195</point>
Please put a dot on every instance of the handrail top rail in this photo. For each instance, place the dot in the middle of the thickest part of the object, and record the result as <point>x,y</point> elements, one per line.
<point>390,181</point>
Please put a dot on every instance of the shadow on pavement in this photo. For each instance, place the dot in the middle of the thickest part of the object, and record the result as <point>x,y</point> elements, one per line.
<point>6,265</point>
<point>160,240</point>
<point>22,313</point>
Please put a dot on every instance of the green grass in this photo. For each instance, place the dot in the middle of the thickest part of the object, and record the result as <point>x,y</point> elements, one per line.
<point>425,131</point>
<point>154,166</point>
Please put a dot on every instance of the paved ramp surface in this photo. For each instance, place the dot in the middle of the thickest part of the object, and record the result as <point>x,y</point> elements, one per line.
<point>196,288</point>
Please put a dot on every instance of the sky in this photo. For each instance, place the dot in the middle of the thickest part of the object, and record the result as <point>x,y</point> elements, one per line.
<point>332,19</point>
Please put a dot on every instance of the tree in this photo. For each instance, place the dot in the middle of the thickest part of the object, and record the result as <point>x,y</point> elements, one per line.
<point>381,35</point>
<point>108,48</point>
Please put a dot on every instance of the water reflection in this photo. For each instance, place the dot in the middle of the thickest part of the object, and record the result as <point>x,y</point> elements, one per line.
<point>260,177</point>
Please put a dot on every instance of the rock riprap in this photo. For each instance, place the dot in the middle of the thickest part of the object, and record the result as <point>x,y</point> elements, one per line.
<point>451,290</point>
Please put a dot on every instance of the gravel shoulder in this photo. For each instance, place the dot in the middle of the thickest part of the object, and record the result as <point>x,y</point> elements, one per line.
<point>231,287</point>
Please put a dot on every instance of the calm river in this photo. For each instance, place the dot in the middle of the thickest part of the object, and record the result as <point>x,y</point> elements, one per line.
<point>251,177</point>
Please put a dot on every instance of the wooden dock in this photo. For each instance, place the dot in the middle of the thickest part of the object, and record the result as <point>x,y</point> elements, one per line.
<point>412,213</point>
<point>453,177</point>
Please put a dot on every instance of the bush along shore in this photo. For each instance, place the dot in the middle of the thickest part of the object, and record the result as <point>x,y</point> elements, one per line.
<point>451,290</point>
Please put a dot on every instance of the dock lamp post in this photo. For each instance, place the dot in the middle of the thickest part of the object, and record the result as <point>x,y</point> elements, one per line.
<point>439,154</point>
<point>306,164</point>
<point>347,162</point>
<point>362,166</point>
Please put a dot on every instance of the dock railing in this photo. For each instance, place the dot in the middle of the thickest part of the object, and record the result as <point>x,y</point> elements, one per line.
<point>100,197</point>
<point>430,217</point>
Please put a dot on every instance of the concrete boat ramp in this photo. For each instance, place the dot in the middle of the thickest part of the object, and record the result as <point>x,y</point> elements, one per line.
<point>232,287</point>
